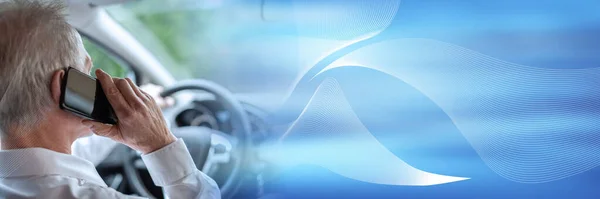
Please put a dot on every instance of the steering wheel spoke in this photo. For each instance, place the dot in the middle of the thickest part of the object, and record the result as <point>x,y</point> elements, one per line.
<point>220,151</point>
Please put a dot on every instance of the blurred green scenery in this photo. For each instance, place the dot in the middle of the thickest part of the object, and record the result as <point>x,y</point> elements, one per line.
<point>172,32</point>
<point>103,60</point>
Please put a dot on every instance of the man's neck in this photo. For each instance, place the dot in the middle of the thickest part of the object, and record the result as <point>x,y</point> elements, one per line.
<point>55,139</point>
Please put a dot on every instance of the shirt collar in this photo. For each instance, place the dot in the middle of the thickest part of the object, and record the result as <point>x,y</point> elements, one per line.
<point>42,162</point>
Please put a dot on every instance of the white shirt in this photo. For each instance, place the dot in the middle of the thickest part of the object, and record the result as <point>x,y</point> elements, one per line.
<point>42,173</point>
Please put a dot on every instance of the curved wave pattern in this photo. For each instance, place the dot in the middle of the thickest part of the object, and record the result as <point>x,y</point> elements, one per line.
<point>529,125</point>
<point>343,19</point>
<point>328,29</point>
<point>341,143</point>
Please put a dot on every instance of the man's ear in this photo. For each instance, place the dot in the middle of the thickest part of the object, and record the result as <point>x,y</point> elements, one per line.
<point>88,63</point>
<point>55,85</point>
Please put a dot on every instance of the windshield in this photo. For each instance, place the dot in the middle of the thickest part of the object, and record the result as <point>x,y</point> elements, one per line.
<point>211,40</point>
<point>267,46</point>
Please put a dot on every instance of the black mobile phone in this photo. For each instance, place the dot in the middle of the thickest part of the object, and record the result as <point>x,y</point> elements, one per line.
<point>82,95</point>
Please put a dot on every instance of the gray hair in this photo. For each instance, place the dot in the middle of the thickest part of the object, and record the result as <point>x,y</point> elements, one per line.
<point>35,41</point>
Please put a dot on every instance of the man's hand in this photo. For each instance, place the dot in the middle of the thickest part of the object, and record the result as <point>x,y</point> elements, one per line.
<point>141,125</point>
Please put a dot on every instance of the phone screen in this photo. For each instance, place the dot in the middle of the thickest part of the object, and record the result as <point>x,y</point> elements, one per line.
<point>83,96</point>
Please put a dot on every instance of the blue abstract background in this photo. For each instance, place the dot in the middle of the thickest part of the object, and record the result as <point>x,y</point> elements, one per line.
<point>541,36</point>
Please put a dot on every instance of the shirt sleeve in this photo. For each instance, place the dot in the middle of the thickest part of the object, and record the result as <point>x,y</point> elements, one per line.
<point>173,168</point>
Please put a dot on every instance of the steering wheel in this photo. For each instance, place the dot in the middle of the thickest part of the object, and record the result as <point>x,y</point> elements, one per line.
<point>208,147</point>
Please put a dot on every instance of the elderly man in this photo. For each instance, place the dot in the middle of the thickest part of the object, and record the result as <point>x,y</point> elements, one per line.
<point>36,44</point>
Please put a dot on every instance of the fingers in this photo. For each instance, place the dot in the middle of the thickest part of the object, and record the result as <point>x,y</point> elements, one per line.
<point>114,96</point>
<point>136,90</point>
<point>130,96</point>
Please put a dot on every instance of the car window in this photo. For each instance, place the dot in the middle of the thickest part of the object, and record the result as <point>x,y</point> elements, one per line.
<point>223,44</point>
<point>104,60</point>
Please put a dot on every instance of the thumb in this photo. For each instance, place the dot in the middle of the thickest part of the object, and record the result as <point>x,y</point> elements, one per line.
<point>99,128</point>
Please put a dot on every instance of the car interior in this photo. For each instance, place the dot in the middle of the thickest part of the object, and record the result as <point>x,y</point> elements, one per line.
<point>218,126</point>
